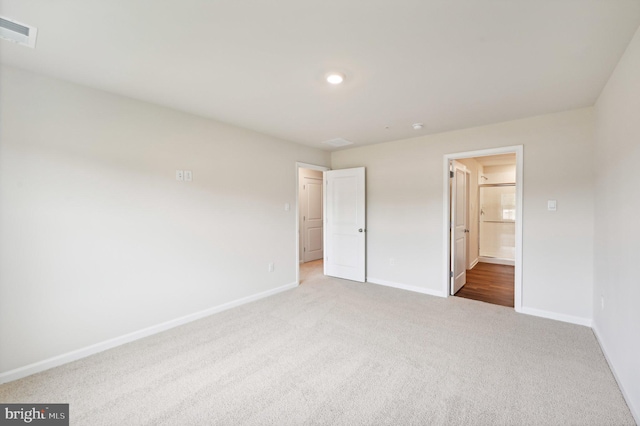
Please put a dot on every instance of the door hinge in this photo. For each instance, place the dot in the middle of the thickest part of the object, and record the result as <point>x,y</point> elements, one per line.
<point>451,173</point>
<point>305,249</point>
<point>450,274</point>
<point>304,187</point>
<point>304,218</point>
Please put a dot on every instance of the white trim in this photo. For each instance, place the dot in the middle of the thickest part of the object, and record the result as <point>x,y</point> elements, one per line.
<point>301,165</point>
<point>634,412</point>
<point>406,287</point>
<point>496,260</point>
<point>55,361</point>
<point>474,263</point>
<point>519,151</point>
<point>556,316</point>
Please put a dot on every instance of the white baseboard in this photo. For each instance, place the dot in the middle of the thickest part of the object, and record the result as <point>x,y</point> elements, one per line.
<point>55,361</point>
<point>634,410</point>
<point>556,316</point>
<point>474,263</point>
<point>497,261</point>
<point>406,287</point>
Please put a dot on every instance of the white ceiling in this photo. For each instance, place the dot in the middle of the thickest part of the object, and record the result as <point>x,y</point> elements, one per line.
<point>257,64</point>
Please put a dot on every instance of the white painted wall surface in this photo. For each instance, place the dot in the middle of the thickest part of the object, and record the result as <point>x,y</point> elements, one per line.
<point>499,174</point>
<point>98,239</point>
<point>617,231</point>
<point>404,207</point>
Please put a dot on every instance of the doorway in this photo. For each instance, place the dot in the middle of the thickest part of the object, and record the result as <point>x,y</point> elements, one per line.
<point>309,216</point>
<point>343,206</point>
<point>483,225</point>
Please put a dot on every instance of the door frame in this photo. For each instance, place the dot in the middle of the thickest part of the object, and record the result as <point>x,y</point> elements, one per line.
<point>518,150</point>
<point>300,165</point>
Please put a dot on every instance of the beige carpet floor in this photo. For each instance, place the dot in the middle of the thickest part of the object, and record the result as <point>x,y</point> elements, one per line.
<point>336,352</point>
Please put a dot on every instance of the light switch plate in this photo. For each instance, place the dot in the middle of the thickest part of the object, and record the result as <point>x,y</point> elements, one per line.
<point>552,205</point>
<point>179,175</point>
<point>188,177</point>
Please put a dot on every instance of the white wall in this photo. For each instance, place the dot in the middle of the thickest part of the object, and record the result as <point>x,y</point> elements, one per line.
<point>617,230</point>
<point>98,239</point>
<point>404,202</point>
<point>499,174</point>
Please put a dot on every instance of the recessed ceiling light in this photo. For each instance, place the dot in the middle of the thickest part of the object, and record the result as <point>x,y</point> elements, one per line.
<point>335,78</point>
<point>417,126</point>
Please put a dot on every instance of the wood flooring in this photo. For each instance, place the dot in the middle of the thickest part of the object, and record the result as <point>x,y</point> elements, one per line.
<point>489,283</point>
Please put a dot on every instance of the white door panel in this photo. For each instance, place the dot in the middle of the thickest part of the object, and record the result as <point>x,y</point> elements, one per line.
<point>314,238</point>
<point>459,227</point>
<point>312,211</point>
<point>345,224</point>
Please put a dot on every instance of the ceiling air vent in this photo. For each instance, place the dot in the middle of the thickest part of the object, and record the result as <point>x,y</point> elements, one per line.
<point>338,142</point>
<point>18,33</point>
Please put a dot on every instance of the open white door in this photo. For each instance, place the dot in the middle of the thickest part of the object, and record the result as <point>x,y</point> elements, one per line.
<point>345,224</point>
<point>458,226</point>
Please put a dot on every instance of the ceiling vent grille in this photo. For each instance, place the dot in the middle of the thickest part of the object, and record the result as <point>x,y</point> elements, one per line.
<point>18,33</point>
<point>338,142</point>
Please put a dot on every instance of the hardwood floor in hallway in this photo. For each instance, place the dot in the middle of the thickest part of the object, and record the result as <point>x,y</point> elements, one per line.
<point>491,283</point>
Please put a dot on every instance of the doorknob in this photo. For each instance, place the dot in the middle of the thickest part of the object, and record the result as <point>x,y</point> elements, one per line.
<point>360,230</point>
<point>466,230</point>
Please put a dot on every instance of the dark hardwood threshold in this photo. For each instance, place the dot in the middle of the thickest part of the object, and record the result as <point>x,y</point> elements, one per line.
<point>491,283</point>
